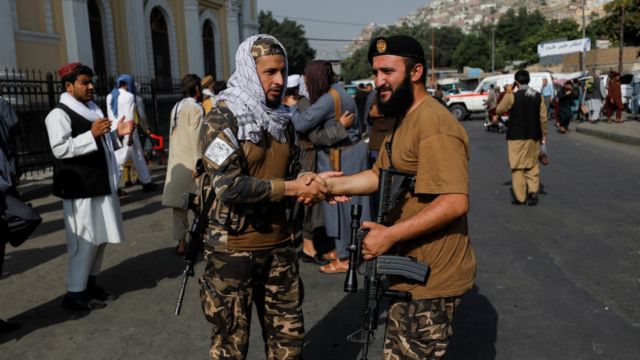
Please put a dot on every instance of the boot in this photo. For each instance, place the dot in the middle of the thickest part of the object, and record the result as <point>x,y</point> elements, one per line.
<point>532,199</point>
<point>81,301</point>
<point>99,293</point>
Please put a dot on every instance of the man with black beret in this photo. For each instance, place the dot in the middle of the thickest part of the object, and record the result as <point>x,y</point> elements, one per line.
<point>431,224</point>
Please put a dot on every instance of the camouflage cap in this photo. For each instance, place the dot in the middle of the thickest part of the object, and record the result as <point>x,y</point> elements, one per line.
<point>264,47</point>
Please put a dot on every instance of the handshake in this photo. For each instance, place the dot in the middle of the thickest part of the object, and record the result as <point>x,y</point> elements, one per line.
<point>310,188</point>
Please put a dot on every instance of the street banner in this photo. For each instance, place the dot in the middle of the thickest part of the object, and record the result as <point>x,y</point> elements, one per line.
<point>564,47</point>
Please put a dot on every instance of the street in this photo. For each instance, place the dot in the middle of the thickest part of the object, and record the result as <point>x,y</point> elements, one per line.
<point>557,281</point>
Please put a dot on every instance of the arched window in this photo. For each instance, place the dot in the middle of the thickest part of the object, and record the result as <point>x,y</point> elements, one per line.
<point>160,42</point>
<point>97,40</point>
<point>208,45</point>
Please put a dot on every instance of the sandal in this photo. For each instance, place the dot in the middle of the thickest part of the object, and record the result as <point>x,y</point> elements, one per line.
<point>335,267</point>
<point>331,255</point>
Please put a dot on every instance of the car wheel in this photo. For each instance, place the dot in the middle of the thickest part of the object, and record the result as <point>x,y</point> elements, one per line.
<point>458,111</point>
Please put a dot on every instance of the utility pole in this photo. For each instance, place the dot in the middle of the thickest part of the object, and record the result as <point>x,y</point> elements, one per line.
<point>493,48</point>
<point>582,57</point>
<point>621,53</point>
<point>433,58</point>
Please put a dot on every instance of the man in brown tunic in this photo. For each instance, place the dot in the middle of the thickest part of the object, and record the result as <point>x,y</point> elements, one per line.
<point>432,225</point>
<point>250,257</point>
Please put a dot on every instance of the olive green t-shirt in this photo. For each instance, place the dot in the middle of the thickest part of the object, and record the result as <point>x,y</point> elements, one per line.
<point>430,143</point>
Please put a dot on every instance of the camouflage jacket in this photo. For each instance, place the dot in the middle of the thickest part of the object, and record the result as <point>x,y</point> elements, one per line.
<point>238,194</point>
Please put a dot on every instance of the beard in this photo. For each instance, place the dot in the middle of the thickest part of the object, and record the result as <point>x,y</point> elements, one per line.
<point>400,101</point>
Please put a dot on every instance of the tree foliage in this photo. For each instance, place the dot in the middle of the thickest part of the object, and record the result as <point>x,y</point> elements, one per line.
<point>292,36</point>
<point>608,27</point>
<point>473,51</point>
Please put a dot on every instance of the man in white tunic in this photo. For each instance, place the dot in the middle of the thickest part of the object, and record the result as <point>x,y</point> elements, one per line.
<point>184,152</point>
<point>121,102</point>
<point>85,177</point>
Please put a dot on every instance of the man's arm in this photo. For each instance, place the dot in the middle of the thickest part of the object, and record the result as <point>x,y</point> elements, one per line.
<point>543,119</point>
<point>304,121</point>
<point>63,146</point>
<point>223,155</point>
<point>506,103</point>
<point>439,213</point>
<point>362,183</point>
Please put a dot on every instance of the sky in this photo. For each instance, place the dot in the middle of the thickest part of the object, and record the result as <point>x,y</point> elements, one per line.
<point>338,19</point>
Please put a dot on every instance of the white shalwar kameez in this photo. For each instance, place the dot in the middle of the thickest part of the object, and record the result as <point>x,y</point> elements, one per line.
<point>93,222</point>
<point>127,108</point>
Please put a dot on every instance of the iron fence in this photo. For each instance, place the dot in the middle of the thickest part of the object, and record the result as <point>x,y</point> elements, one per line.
<point>33,94</point>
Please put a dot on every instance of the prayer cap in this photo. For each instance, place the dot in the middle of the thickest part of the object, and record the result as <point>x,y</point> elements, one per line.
<point>264,47</point>
<point>399,45</point>
<point>293,81</point>
<point>68,69</point>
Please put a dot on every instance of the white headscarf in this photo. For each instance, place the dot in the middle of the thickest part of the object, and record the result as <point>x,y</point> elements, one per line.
<point>246,98</point>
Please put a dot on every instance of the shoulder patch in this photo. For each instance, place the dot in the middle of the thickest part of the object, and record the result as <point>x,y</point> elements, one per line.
<point>218,151</point>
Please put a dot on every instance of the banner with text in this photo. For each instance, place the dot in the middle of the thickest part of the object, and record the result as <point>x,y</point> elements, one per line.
<point>564,47</point>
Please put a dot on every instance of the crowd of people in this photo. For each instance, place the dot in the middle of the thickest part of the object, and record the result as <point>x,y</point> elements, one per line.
<point>589,98</point>
<point>264,152</point>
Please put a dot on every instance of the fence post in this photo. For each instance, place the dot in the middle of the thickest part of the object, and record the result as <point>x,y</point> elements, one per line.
<point>154,98</point>
<point>51,91</point>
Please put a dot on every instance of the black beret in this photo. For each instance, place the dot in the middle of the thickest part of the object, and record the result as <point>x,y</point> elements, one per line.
<point>400,45</point>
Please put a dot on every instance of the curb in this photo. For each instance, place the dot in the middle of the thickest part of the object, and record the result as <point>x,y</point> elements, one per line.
<point>617,137</point>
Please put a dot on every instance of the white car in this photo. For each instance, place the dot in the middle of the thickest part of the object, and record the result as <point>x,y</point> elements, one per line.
<point>461,105</point>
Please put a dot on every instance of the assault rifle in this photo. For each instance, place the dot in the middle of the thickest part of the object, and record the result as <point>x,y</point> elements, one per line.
<point>195,233</point>
<point>392,184</point>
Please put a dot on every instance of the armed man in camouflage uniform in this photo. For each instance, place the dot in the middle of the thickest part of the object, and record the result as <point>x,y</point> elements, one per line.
<point>249,254</point>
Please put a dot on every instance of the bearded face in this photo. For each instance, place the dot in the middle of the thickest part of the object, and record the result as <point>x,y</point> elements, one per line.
<point>400,100</point>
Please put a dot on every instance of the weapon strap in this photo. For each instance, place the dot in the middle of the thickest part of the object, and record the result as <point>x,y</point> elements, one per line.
<point>387,145</point>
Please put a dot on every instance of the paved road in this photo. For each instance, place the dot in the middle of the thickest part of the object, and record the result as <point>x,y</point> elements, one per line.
<point>556,281</point>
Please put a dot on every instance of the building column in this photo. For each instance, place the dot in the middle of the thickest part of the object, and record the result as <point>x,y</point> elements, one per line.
<point>233,31</point>
<point>76,31</point>
<point>136,21</point>
<point>195,53</point>
<point>8,54</point>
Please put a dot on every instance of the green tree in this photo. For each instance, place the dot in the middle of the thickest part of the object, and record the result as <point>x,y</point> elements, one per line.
<point>513,28</point>
<point>474,51</point>
<point>292,36</point>
<point>609,26</point>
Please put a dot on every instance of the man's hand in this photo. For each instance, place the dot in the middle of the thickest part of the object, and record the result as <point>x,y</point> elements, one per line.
<point>308,188</point>
<point>330,197</point>
<point>377,242</point>
<point>124,127</point>
<point>100,127</point>
<point>347,119</point>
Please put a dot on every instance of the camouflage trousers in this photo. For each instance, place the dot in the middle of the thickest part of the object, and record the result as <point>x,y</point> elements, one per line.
<point>419,329</point>
<point>233,281</point>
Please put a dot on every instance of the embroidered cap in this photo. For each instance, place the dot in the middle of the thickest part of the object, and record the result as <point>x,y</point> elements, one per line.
<point>400,45</point>
<point>68,69</point>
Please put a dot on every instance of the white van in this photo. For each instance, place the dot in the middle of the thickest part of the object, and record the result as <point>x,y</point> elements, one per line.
<point>461,105</point>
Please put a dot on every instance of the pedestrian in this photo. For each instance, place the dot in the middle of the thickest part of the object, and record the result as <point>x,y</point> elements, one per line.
<point>634,103</point>
<point>379,126</point>
<point>313,228</point>
<point>547,94</point>
<point>85,176</point>
<point>208,97</point>
<point>527,130</point>
<point>184,151</point>
<point>250,257</point>
<point>9,132</point>
<point>593,96</point>
<point>566,98</point>
<point>121,103</point>
<point>329,101</point>
<point>614,97</point>
<point>428,142</point>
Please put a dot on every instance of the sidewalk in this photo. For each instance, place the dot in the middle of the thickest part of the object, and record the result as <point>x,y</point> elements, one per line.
<point>627,132</point>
